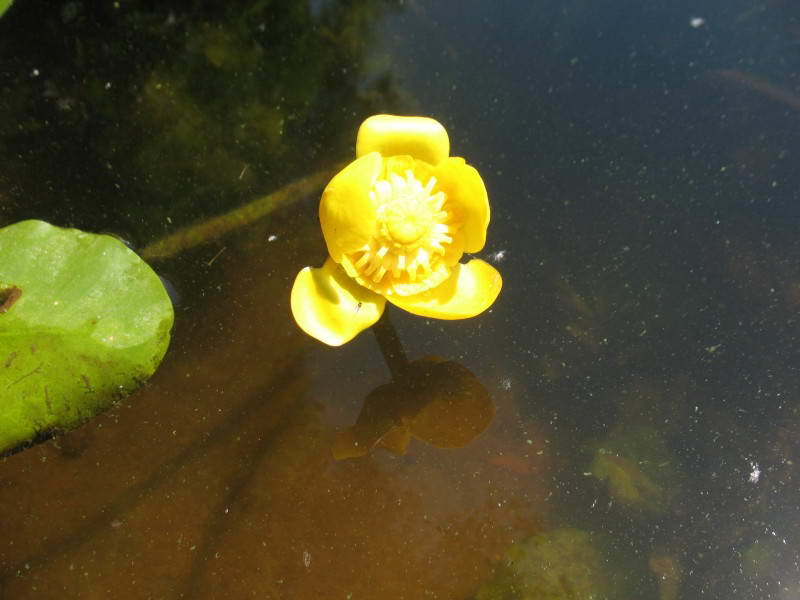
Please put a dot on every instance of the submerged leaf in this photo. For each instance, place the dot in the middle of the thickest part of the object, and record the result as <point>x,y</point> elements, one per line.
<point>83,321</point>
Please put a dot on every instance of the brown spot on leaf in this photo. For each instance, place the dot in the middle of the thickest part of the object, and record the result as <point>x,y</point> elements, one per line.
<point>8,297</point>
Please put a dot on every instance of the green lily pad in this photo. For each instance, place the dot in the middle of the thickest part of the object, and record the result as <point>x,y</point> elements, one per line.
<point>83,322</point>
<point>4,5</point>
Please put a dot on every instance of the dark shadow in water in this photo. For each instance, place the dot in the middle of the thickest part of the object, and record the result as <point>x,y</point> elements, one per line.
<point>197,448</point>
<point>439,402</point>
<point>217,525</point>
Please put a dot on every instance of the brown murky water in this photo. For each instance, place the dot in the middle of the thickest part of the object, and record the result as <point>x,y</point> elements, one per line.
<point>637,377</point>
<point>218,478</point>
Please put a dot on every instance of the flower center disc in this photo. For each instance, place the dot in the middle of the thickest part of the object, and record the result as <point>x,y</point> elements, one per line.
<point>411,250</point>
<point>406,226</point>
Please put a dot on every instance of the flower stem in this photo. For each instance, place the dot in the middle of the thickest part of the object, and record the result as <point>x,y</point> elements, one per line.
<point>391,346</point>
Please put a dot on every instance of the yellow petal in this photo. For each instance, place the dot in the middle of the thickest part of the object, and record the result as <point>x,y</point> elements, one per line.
<point>467,198</point>
<point>331,307</point>
<point>422,138</point>
<point>470,290</point>
<point>346,211</point>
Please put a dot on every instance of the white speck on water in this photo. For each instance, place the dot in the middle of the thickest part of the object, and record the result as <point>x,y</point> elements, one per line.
<point>498,257</point>
<point>755,472</point>
<point>272,238</point>
<point>697,22</point>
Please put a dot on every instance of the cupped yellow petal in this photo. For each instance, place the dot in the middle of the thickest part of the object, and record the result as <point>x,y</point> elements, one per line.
<point>466,198</point>
<point>331,307</point>
<point>347,210</point>
<point>420,137</point>
<point>470,290</point>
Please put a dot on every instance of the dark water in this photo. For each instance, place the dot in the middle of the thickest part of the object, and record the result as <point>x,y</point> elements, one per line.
<point>642,358</point>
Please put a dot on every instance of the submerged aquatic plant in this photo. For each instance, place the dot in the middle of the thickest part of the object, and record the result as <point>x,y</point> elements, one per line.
<point>397,221</point>
<point>560,564</point>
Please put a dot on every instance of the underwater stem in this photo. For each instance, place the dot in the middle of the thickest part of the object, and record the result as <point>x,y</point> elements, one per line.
<point>391,346</point>
<point>215,227</point>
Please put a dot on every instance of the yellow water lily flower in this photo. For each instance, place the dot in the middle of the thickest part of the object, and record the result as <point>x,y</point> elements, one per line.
<point>397,221</point>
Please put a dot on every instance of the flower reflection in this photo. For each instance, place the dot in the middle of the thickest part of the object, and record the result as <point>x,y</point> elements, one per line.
<point>439,402</point>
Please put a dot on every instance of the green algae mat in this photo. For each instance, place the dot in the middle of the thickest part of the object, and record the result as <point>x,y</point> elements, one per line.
<point>83,322</point>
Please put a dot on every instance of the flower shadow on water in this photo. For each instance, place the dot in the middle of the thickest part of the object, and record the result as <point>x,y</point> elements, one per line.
<point>439,402</point>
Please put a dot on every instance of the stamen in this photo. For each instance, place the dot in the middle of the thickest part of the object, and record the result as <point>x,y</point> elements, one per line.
<point>379,274</point>
<point>363,260</point>
<point>412,271</point>
<point>423,258</point>
<point>383,189</point>
<point>371,268</point>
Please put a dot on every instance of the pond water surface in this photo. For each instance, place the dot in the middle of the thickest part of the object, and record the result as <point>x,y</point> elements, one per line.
<point>640,366</point>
